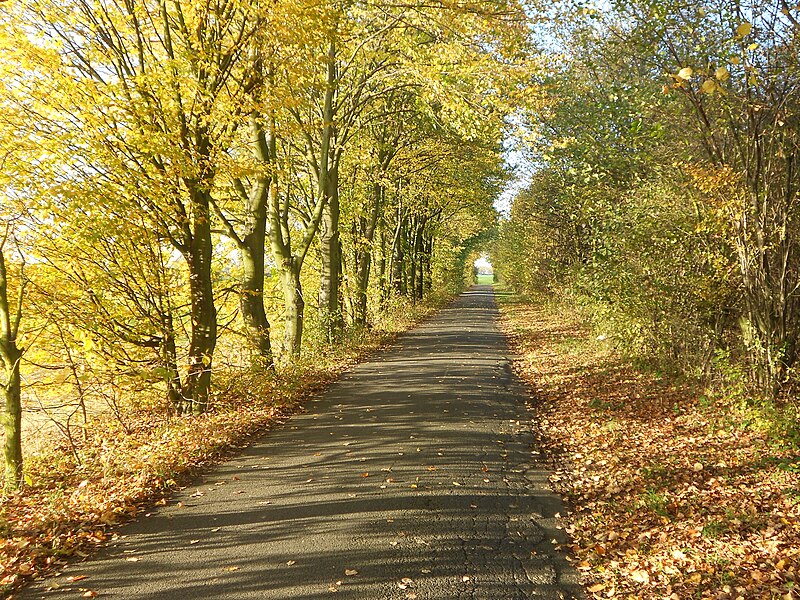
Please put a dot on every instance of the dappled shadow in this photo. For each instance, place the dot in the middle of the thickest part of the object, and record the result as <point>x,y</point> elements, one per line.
<point>415,470</point>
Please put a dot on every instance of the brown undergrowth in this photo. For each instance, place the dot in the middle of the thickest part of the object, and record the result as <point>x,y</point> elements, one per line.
<point>672,495</point>
<point>76,493</point>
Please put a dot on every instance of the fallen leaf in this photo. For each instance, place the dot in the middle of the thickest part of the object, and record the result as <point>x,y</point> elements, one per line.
<point>641,576</point>
<point>405,583</point>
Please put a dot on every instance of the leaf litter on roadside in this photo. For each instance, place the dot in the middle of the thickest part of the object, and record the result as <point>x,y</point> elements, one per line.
<point>671,495</point>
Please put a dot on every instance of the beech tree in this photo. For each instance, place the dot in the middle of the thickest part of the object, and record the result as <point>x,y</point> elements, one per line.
<point>152,90</point>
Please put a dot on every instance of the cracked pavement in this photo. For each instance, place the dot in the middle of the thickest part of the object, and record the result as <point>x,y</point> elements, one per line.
<point>413,476</point>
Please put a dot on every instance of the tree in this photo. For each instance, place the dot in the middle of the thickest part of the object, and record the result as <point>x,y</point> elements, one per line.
<point>11,354</point>
<point>153,88</point>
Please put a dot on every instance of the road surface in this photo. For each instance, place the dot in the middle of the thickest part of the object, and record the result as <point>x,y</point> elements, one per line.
<point>411,477</point>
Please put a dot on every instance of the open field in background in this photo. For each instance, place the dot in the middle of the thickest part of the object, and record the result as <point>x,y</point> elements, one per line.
<point>673,493</point>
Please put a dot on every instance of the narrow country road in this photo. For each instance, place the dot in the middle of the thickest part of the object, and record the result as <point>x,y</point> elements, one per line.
<point>412,477</point>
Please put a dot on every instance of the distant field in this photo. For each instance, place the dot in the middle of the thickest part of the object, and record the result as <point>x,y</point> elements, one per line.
<point>485,279</point>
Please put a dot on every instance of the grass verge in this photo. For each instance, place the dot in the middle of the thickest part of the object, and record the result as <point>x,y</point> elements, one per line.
<point>672,495</point>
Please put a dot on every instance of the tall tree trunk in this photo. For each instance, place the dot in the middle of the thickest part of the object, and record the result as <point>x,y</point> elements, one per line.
<point>169,360</point>
<point>428,264</point>
<point>398,256</point>
<point>328,182</point>
<point>413,259</point>
<point>419,247</point>
<point>204,313</point>
<point>294,306</point>
<point>252,250</point>
<point>364,254</point>
<point>382,283</point>
<point>12,419</point>
<point>11,355</point>
<point>330,271</point>
<point>251,301</point>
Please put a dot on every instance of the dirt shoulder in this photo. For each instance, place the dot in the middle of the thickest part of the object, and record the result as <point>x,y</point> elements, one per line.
<point>673,495</point>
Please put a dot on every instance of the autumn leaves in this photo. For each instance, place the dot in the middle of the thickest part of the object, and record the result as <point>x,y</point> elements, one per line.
<point>238,177</point>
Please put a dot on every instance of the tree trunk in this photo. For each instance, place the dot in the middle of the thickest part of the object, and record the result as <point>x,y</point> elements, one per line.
<point>204,313</point>
<point>251,301</point>
<point>252,250</point>
<point>12,420</point>
<point>169,360</point>
<point>428,265</point>
<point>382,283</point>
<point>328,182</point>
<point>11,355</point>
<point>294,306</point>
<point>330,272</point>
<point>364,254</point>
<point>413,259</point>
<point>419,253</point>
<point>398,257</point>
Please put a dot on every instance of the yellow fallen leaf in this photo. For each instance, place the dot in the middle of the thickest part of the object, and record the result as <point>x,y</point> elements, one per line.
<point>350,572</point>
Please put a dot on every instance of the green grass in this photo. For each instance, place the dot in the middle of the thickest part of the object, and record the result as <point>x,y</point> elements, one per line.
<point>485,279</point>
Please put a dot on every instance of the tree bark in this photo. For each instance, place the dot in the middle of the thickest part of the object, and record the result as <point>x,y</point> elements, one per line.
<point>251,301</point>
<point>331,267</point>
<point>294,306</point>
<point>11,355</point>
<point>169,360</point>
<point>204,313</point>
<point>328,182</point>
<point>12,419</point>
<point>252,250</point>
<point>364,254</point>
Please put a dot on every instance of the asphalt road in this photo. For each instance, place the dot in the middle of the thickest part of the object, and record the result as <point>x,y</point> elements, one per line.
<point>414,476</point>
